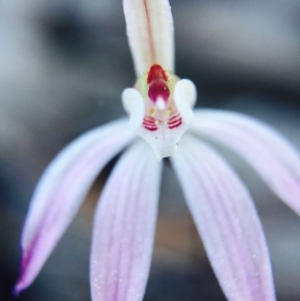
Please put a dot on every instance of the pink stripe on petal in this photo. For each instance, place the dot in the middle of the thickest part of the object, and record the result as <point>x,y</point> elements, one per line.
<point>124,227</point>
<point>227,221</point>
<point>150,33</point>
<point>61,190</point>
<point>268,152</point>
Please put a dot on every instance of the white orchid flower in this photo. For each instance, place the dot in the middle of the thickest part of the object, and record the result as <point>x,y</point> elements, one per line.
<point>160,108</point>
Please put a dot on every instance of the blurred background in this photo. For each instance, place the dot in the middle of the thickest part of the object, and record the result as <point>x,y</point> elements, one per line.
<point>63,66</point>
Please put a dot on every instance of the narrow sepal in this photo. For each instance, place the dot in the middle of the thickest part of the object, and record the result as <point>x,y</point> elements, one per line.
<point>60,192</point>
<point>150,33</point>
<point>124,227</point>
<point>273,157</point>
<point>227,222</point>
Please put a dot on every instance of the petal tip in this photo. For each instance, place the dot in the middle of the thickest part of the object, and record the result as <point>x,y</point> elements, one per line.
<point>23,282</point>
<point>19,287</point>
<point>25,277</point>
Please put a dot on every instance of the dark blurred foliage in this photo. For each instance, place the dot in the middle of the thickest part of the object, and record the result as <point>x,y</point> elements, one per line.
<point>63,66</point>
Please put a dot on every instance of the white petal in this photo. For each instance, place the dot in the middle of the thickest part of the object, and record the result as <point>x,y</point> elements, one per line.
<point>150,33</point>
<point>268,152</point>
<point>185,95</point>
<point>133,104</point>
<point>124,227</point>
<point>61,190</point>
<point>227,221</point>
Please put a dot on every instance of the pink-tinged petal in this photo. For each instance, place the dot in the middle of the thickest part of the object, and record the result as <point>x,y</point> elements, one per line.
<point>227,222</point>
<point>266,150</point>
<point>124,227</point>
<point>150,33</point>
<point>61,190</point>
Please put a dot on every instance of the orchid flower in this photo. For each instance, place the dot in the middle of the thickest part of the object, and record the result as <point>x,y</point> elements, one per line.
<point>160,109</point>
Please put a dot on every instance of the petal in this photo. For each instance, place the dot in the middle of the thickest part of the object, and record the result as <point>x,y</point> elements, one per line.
<point>185,95</point>
<point>60,192</point>
<point>124,227</point>
<point>150,33</point>
<point>133,104</point>
<point>227,221</point>
<point>266,150</point>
